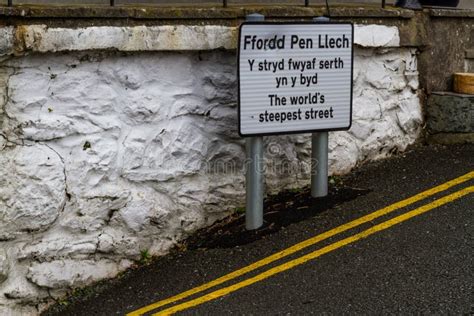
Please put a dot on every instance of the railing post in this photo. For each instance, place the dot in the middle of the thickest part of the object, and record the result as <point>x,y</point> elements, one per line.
<point>254,176</point>
<point>10,3</point>
<point>112,3</point>
<point>319,155</point>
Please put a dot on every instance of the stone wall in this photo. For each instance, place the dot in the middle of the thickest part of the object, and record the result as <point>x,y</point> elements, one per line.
<point>106,153</point>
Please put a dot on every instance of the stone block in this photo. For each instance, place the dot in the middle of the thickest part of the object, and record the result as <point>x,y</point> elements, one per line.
<point>450,112</point>
<point>6,40</point>
<point>32,189</point>
<point>4,265</point>
<point>70,273</point>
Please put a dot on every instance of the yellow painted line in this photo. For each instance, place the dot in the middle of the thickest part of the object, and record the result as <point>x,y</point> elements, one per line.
<point>315,254</point>
<point>306,243</point>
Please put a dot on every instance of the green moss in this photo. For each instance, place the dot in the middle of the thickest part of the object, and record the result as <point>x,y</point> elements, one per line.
<point>240,210</point>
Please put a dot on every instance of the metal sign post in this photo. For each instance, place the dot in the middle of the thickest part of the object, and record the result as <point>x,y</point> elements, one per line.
<point>254,178</point>
<point>319,164</point>
<point>319,154</point>
<point>293,78</point>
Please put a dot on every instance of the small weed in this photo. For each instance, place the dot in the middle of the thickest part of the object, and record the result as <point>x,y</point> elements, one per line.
<point>53,76</point>
<point>295,190</point>
<point>63,303</point>
<point>83,291</point>
<point>121,274</point>
<point>50,110</point>
<point>145,257</point>
<point>335,180</point>
<point>240,210</point>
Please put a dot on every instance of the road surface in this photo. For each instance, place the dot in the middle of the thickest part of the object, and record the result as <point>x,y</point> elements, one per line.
<point>394,236</point>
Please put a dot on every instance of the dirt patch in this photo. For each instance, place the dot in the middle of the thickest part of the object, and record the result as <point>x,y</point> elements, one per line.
<point>280,211</point>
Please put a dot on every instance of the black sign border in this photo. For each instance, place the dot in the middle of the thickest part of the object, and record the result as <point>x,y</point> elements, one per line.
<point>300,131</point>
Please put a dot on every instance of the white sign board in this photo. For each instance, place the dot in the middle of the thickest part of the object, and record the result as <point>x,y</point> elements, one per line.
<point>294,77</point>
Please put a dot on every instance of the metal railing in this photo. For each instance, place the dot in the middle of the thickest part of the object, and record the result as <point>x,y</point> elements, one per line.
<point>463,4</point>
<point>222,3</point>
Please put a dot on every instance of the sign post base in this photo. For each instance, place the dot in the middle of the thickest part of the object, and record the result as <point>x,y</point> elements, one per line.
<point>254,183</point>
<point>319,164</point>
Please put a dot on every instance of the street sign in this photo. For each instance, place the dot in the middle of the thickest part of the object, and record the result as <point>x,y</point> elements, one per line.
<point>294,77</point>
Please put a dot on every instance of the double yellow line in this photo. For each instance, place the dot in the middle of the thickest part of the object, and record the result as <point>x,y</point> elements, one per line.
<point>309,242</point>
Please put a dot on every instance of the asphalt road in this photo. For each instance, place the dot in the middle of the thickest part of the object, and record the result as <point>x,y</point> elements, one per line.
<point>423,264</point>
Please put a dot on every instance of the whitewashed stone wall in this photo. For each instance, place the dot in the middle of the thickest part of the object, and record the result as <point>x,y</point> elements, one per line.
<point>107,154</point>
